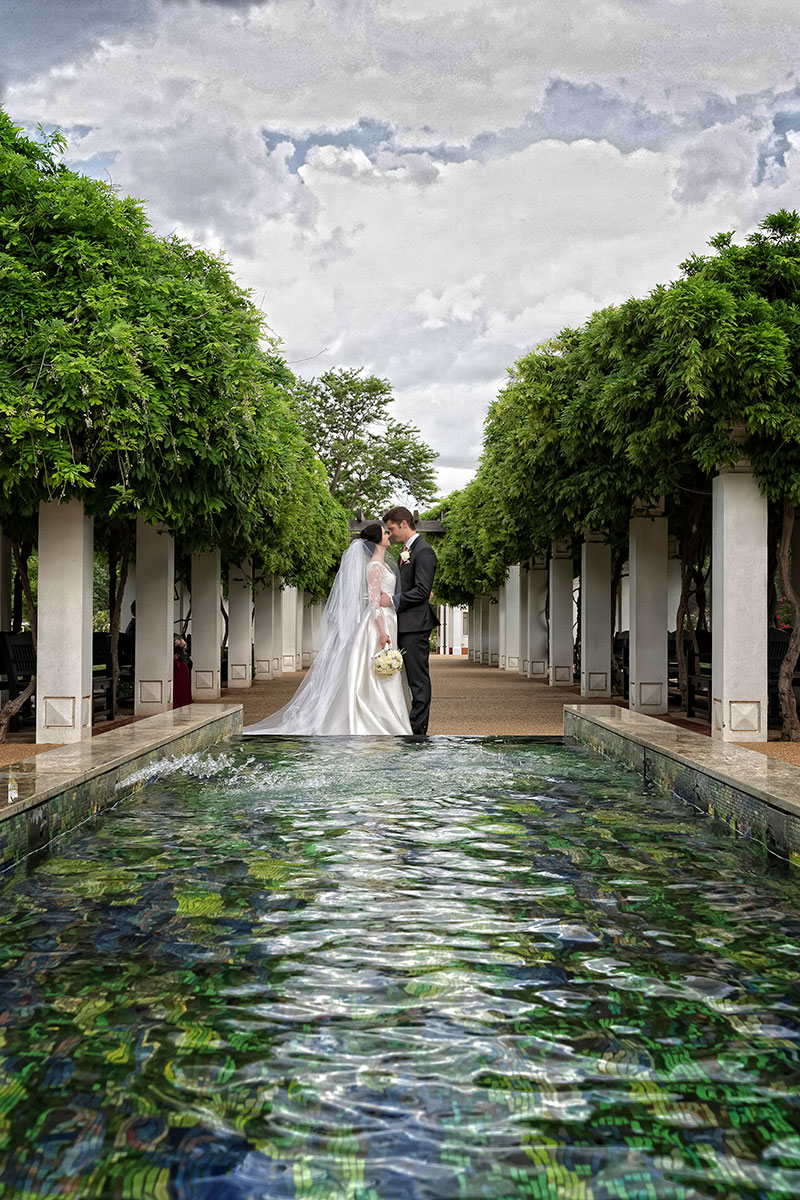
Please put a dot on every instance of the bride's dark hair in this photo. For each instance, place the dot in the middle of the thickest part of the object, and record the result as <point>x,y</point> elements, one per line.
<point>373,533</point>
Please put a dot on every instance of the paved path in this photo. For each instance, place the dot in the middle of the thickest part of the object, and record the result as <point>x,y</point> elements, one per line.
<point>466,699</point>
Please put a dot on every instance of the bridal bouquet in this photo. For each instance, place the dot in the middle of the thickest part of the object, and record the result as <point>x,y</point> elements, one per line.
<point>388,662</point>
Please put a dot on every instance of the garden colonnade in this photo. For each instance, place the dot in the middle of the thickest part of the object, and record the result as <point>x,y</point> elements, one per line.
<point>269,624</point>
<point>527,626</point>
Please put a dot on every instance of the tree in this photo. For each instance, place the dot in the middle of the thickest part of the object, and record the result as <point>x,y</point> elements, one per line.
<point>133,376</point>
<point>370,458</point>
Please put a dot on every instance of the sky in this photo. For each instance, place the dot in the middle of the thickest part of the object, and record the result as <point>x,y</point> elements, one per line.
<point>425,188</point>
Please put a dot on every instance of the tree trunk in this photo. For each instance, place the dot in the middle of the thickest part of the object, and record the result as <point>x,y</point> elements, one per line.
<point>22,549</point>
<point>12,707</point>
<point>224,612</point>
<point>21,555</point>
<point>689,548</point>
<point>790,722</point>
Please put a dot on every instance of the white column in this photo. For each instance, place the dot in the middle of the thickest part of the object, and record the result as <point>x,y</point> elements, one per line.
<point>298,629</point>
<point>474,648</point>
<point>538,633</point>
<point>512,608</point>
<point>288,628</point>
<point>486,653</point>
<point>155,588</point>
<point>315,613</point>
<point>595,616</point>
<point>266,632</point>
<point>494,630</point>
<point>648,612</point>
<point>524,632</point>
<point>307,645</point>
<point>624,599</point>
<point>501,628</point>
<point>6,573</point>
<point>240,625</point>
<point>64,645</point>
<point>561,647</point>
<point>673,581</point>
<point>206,625</point>
<point>739,607</point>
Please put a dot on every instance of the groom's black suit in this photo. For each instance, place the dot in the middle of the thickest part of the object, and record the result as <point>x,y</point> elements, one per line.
<point>415,620</point>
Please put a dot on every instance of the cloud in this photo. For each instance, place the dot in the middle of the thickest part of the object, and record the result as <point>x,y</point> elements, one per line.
<point>429,190</point>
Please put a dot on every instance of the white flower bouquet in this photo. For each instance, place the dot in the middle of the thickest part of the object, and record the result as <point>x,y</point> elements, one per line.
<point>388,662</point>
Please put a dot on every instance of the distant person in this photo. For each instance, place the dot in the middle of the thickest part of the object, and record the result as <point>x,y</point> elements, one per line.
<point>181,674</point>
<point>130,628</point>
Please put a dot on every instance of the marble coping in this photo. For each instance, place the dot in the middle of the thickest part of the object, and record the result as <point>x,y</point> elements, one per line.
<point>768,779</point>
<point>756,796</point>
<point>34,781</point>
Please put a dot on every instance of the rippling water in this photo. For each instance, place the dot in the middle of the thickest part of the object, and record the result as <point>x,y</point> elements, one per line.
<point>380,969</point>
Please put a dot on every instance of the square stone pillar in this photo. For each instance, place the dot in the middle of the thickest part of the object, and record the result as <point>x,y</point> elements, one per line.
<point>562,650</point>
<point>307,636</point>
<point>268,630</point>
<point>6,574</point>
<point>288,628</point>
<point>494,630</point>
<point>486,653</point>
<point>738,607</point>
<point>155,589</point>
<point>512,611</point>
<point>624,599</point>
<point>474,627</point>
<point>315,618</point>
<point>64,644</point>
<point>524,652</point>
<point>595,616</point>
<point>501,628</point>
<point>648,612</point>
<point>240,625</point>
<point>538,632</point>
<point>206,625</point>
<point>298,629</point>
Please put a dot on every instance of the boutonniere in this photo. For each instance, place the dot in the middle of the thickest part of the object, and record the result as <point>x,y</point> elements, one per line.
<point>405,555</point>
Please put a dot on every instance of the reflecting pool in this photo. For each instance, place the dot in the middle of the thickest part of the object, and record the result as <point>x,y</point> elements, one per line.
<point>379,969</point>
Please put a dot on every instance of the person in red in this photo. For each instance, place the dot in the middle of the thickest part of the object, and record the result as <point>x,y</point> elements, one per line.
<point>181,674</point>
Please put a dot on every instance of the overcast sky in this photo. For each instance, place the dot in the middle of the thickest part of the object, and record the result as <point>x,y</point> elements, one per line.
<point>426,188</point>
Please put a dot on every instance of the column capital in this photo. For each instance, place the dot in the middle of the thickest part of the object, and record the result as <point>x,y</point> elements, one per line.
<point>561,550</point>
<point>647,508</point>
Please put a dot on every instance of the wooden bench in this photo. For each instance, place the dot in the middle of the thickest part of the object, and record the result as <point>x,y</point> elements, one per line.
<point>18,665</point>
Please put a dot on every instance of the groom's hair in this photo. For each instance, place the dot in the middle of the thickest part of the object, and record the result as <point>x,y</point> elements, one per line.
<point>398,514</point>
<point>372,533</point>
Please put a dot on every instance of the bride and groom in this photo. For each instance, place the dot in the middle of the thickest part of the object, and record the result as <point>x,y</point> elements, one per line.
<point>372,605</point>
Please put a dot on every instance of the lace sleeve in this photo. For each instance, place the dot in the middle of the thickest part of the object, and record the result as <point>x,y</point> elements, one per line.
<point>374,579</point>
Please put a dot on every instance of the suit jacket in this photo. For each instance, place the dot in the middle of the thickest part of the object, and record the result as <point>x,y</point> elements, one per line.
<point>414,610</point>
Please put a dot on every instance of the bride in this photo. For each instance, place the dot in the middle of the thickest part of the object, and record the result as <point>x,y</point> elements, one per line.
<point>341,694</point>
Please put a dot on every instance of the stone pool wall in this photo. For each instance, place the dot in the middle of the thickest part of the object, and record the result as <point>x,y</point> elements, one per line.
<point>756,796</point>
<point>47,795</point>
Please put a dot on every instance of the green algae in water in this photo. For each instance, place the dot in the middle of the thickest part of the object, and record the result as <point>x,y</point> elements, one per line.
<point>374,968</point>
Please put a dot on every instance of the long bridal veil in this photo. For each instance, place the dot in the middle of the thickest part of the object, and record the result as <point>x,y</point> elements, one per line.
<point>344,611</point>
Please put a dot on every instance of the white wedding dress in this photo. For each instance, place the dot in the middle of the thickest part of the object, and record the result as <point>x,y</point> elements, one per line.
<point>341,694</point>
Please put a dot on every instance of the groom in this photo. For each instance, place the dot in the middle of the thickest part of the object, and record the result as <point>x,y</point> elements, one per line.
<point>415,616</point>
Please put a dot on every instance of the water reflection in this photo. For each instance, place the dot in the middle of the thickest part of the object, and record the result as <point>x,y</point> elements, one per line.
<point>373,969</point>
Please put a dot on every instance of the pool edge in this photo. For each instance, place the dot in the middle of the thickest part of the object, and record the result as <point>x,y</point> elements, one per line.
<point>755,796</point>
<point>53,792</point>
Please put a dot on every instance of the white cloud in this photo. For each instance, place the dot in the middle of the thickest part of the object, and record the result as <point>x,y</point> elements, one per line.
<point>430,189</point>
